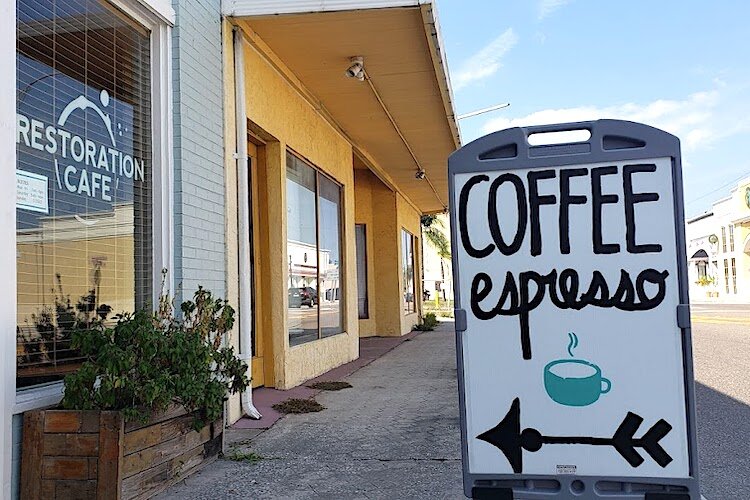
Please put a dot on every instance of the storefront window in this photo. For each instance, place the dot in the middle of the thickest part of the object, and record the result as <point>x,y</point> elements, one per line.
<point>313,253</point>
<point>84,203</point>
<point>363,307</point>
<point>407,271</point>
<point>329,251</point>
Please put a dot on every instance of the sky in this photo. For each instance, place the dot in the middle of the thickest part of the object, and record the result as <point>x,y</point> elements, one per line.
<point>682,66</point>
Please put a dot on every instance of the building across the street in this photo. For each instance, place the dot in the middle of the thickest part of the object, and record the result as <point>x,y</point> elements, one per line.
<point>718,249</point>
<point>278,153</point>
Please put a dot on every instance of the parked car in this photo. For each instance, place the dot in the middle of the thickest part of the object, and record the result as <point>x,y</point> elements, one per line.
<point>302,296</point>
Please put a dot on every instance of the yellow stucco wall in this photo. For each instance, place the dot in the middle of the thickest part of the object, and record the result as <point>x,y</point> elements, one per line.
<point>386,213</point>
<point>364,215</point>
<point>376,207</point>
<point>274,107</point>
<point>286,121</point>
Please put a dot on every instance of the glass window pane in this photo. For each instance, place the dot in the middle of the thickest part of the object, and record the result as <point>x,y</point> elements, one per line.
<point>331,319</point>
<point>302,317</point>
<point>407,270</point>
<point>362,302</point>
<point>84,209</point>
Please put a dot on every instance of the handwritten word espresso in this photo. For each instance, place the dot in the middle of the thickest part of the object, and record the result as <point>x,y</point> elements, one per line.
<point>521,296</point>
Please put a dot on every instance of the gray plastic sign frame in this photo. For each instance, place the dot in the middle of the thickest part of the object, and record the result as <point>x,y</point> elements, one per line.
<point>611,141</point>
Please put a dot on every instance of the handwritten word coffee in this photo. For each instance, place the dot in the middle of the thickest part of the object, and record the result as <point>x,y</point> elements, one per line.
<point>520,296</point>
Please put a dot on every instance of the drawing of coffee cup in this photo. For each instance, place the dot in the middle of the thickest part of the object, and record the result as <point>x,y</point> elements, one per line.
<point>574,382</point>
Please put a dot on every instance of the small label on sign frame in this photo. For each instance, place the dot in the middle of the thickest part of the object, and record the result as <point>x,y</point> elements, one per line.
<point>566,469</point>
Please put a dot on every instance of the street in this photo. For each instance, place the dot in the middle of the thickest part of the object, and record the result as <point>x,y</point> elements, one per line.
<point>395,434</point>
<point>721,351</point>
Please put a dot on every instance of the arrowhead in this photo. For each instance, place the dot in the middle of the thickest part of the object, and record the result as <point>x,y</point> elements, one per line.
<point>506,436</point>
<point>650,442</point>
<point>623,440</point>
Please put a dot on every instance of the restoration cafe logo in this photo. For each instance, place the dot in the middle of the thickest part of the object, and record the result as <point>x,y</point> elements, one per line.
<point>82,166</point>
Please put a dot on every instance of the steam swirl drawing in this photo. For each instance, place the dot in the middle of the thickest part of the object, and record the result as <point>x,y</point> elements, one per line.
<point>574,382</point>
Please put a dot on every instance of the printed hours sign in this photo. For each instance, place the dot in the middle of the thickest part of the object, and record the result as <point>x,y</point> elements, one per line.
<point>572,316</point>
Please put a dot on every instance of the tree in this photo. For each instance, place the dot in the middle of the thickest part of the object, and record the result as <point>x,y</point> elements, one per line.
<point>433,230</point>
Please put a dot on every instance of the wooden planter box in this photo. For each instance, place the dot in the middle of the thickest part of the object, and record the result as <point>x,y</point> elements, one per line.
<point>94,454</point>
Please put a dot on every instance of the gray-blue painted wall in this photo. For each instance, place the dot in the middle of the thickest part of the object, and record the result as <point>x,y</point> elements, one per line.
<point>200,253</point>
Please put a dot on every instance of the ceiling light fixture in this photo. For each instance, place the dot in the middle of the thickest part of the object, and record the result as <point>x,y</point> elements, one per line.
<point>356,68</point>
<point>420,174</point>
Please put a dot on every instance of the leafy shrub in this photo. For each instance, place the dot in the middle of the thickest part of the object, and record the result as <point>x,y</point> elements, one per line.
<point>148,361</point>
<point>429,322</point>
<point>706,281</point>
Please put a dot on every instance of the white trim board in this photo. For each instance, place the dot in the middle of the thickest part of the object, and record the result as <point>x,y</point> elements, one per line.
<point>240,8</point>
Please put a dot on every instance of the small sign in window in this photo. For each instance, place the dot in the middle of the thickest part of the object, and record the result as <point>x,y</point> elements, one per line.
<point>31,192</point>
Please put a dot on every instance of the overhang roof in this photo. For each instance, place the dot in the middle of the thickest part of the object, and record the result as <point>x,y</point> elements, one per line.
<point>402,57</point>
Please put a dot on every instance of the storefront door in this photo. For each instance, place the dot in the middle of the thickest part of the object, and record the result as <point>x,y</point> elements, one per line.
<point>258,366</point>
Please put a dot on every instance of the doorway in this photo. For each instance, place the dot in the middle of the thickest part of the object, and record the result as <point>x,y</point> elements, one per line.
<point>259,348</point>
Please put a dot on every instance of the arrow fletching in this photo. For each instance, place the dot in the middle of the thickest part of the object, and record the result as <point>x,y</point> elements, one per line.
<point>623,440</point>
<point>650,442</point>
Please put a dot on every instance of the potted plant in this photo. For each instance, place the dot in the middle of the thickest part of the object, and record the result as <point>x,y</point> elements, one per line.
<point>144,409</point>
<point>706,281</point>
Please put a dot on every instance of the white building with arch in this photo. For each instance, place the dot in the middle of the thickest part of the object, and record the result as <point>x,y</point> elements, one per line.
<point>718,249</point>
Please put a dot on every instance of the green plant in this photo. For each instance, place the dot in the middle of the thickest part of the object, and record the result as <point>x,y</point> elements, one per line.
<point>429,322</point>
<point>249,457</point>
<point>706,280</point>
<point>148,361</point>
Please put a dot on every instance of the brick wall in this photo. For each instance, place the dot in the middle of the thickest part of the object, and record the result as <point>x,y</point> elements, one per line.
<point>200,252</point>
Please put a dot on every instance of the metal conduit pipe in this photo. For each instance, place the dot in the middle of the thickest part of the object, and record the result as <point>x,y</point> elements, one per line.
<point>243,198</point>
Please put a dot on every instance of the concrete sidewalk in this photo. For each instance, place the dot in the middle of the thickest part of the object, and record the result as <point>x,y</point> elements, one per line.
<point>395,434</point>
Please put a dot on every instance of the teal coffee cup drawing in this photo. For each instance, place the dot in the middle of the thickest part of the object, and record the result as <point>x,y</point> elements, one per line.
<point>574,382</point>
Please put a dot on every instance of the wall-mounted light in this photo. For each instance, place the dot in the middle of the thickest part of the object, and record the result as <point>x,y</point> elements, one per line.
<point>356,68</point>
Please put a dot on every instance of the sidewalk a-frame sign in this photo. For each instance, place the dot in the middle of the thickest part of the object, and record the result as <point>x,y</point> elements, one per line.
<point>572,317</point>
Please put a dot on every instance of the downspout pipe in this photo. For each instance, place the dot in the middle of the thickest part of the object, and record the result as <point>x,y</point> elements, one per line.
<point>243,198</point>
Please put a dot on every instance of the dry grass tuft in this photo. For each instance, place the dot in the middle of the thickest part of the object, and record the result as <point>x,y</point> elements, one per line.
<point>295,405</point>
<point>329,385</point>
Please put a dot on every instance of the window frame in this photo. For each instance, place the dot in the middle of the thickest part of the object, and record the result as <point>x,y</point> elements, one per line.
<point>364,256</point>
<point>157,17</point>
<point>342,260</point>
<point>726,275</point>
<point>412,241</point>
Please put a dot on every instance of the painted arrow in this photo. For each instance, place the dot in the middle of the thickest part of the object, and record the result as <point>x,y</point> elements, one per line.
<point>508,438</point>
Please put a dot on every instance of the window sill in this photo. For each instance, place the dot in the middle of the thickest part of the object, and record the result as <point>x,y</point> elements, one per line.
<point>312,342</point>
<point>31,399</point>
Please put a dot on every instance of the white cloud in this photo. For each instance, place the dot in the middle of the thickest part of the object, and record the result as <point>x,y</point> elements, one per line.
<point>486,61</point>
<point>547,7</point>
<point>695,119</point>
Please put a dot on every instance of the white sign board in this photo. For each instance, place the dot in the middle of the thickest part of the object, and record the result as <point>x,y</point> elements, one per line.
<point>571,355</point>
<point>31,192</point>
